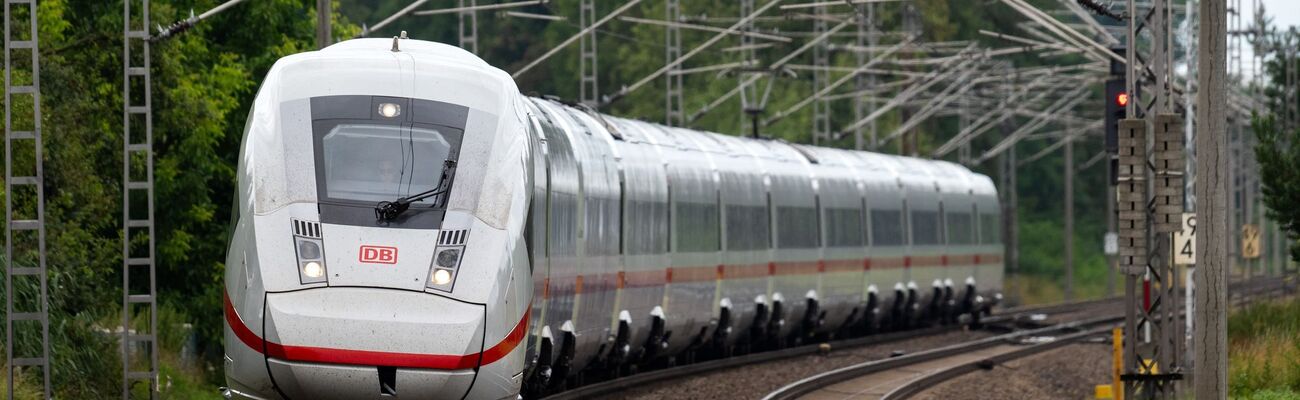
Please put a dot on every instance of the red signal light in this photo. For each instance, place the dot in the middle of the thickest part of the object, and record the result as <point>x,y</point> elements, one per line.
<point>1122,99</point>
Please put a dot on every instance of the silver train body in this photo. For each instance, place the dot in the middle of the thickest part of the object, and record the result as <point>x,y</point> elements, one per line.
<point>556,241</point>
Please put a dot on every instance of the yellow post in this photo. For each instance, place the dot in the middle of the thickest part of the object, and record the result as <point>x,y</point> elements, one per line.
<point>1103,392</point>
<point>1117,365</point>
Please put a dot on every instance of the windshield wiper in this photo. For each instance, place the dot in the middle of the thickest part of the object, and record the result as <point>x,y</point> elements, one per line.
<point>389,210</point>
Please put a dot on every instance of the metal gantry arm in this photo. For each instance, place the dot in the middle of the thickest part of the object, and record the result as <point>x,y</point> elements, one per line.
<point>365,30</point>
<point>838,82</point>
<point>959,87</point>
<point>990,119</point>
<point>582,33</point>
<point>184,25</point>
<point>705,28</point>
<point>473,7</point>
<point>1075,38</point>
<point>707,43</point>
<point>1072,134</point>
<point>1087,19</point>
<point>832,3</point>
<point>1065,103</point>
<point>775,66</point>
<point>938,75</point>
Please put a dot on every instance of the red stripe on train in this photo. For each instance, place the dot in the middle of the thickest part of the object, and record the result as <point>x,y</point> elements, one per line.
<point>376,358</point>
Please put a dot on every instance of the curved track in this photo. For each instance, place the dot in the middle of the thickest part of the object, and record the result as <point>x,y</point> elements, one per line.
<point>670,375</point>
<point>900,377</point>
<point>905,376</point>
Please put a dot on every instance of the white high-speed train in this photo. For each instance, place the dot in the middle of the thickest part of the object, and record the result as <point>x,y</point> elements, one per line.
<point>409,225</point>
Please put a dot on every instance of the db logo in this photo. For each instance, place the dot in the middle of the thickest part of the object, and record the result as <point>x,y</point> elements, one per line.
<point>378,255</point>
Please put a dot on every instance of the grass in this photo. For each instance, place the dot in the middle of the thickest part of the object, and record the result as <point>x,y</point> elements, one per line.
<point>1264,351</point>
<point>178,378</point>
<point>1035,290</point>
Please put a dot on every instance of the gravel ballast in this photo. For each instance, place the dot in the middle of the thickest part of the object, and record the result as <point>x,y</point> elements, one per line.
<point>1070,372</point>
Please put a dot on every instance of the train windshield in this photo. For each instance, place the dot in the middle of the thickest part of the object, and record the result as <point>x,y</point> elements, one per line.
<point>372,149</point>
<point>373,163</point>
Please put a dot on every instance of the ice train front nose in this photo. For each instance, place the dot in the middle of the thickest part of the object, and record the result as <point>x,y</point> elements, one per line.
<point>357,343</point>
<point>351,271</point>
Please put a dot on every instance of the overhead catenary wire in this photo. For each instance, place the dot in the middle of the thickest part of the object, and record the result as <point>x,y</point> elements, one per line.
<point>775,66</point>
<point>545,17</point>
<point>704,28</point>
<point>662,70</point>
<point>833,3</point>
<point>484,7</point>
<point>1074,97</point>
<point>575,38</point>
<point>366,30</point>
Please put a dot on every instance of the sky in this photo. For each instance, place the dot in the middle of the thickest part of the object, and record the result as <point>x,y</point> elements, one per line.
<point>1284,12</point>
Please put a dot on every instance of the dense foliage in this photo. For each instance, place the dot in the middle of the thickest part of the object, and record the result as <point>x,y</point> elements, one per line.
<point>1278,152</point>
<point>205,79</point>
<point>1278,146</point>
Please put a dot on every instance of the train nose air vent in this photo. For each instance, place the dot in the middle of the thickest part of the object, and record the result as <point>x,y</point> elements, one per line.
<point>306,228</point>
<point>453,237</point>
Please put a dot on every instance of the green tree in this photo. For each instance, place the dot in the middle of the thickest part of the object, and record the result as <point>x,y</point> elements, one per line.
<point>1278,152</point>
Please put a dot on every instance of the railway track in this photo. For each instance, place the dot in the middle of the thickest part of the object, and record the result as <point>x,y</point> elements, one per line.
<point>1010,316</point>
<point>901,377</point>
<point>942,346</point>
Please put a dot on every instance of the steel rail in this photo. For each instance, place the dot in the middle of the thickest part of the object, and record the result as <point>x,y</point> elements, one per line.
<point>650,377</point>
<point>808,385</point>
<point>1249,288</point>
<point>917,386</point>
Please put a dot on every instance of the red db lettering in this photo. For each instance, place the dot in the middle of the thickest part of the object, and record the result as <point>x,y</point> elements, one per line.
<point>378,255</point>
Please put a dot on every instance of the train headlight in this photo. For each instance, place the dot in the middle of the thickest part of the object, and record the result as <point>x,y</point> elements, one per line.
<point>313,269</point>
<point>390,110</point>
<point>311,260</point>
<point>442,274</point>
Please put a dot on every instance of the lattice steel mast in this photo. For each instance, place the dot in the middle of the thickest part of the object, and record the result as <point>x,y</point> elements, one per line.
<point>1150,196</point>
<point>589,90</point>
<point>672,51</point>
<point>22,217</point>
<point>468,25</point>
<point>821,77</point>
<point>138,199</point>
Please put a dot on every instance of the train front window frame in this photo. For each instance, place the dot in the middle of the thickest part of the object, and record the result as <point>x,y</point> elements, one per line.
<point>425,138</point>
